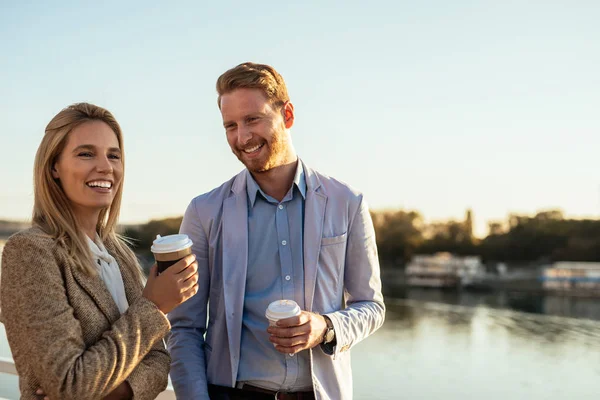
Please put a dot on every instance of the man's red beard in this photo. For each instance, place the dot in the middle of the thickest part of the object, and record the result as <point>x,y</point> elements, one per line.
<point>273,151</point>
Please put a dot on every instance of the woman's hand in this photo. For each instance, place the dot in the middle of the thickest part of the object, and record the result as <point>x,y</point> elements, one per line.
<point>175,285</point>
<point>122,392</point>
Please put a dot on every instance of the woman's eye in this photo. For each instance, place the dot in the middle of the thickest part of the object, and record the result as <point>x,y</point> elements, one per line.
<point>85,154</point>
<point>114,156</point>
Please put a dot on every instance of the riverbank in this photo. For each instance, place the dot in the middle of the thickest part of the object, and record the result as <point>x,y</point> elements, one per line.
<point>522,280</point>
<point>518,280</point>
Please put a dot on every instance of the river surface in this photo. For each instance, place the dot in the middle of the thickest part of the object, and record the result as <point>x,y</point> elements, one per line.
<point>456,346</point>
<point>444,350</point>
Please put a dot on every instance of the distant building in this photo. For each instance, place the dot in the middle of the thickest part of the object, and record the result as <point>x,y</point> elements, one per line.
<point>469,223</point>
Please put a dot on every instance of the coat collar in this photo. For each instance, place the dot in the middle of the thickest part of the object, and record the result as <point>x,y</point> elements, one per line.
<point>96,288</point>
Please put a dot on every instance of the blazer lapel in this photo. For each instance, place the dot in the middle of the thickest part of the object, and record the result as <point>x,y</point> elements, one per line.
<point>235,263</point>
<point>96,289</point>
<point>314,215</point>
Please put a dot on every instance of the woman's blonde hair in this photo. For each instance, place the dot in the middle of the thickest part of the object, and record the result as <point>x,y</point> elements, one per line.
<point>52,210</point>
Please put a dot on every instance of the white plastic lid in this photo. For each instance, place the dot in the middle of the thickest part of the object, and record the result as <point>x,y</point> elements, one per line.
<point>171,243</point>
<point>281,309</point>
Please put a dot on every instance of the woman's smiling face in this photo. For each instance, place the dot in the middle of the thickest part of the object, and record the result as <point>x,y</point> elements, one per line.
<point>89,168</point>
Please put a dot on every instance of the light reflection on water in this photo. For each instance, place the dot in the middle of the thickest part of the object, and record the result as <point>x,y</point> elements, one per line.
<point>430,350</point>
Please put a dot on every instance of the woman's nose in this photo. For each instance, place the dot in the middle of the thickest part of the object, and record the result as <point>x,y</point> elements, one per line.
<point>104,165</point>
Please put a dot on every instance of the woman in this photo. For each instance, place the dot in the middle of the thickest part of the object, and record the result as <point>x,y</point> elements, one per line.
<point>79,322</point>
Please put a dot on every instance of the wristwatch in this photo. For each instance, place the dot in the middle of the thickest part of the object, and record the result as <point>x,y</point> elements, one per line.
<point>329,335</point>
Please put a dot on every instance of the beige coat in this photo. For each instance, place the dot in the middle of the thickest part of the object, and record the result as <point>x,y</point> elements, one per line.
<point>65,330</point>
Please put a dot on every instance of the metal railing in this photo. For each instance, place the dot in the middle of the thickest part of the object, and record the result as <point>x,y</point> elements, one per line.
<point>7,366</point>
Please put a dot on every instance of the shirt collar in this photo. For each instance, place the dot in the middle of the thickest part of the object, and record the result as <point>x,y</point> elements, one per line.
<point>253,189</point>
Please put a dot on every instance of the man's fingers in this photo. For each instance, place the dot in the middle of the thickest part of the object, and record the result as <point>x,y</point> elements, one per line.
<point>289,332</point>
<point>294,321</point>
<point>290,350</point>
<point>290,342</point>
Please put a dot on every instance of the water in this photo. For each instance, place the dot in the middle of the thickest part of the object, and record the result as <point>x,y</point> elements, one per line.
<point>428,350</point>
<point>462,346</point>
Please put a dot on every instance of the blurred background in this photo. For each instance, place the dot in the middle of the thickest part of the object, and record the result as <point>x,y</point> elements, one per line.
<point>471,127</point>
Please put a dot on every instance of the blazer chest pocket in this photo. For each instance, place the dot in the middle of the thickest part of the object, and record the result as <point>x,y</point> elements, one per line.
<point>331,260</point>
<point>329,241</point>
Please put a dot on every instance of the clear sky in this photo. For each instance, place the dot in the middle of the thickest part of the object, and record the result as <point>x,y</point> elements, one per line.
<point>431,105</point>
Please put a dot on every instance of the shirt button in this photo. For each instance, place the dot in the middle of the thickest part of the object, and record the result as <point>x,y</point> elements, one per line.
<point>281,206</point>
<point>283,242</point>
<point>287,277</point>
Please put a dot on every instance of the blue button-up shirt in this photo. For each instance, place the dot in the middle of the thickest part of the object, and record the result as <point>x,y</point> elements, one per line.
<point>275,272</point>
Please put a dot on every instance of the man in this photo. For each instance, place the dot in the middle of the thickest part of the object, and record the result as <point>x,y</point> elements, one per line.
<point>277,230</point>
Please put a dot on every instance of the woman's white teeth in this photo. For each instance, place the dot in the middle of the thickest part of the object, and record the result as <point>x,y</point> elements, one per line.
<point>252,149</point>
<point>102,184</point>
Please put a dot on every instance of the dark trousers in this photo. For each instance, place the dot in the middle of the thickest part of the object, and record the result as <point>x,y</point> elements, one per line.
<point>253,393</point>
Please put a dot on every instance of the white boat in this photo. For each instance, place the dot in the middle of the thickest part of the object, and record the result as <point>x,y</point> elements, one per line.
<point>572,277</point>
<point>444,270</point>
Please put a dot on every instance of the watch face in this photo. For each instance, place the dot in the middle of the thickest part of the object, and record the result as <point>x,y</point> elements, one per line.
<point>329,335</point>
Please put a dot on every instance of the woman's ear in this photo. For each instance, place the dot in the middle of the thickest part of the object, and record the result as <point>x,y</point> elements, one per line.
<point>54,172</point>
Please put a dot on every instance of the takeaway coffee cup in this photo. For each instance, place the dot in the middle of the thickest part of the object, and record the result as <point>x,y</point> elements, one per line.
<point>169,249</point>
<point>282,309</point>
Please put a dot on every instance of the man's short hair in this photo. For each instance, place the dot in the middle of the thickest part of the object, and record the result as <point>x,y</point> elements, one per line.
<point>254,76</point>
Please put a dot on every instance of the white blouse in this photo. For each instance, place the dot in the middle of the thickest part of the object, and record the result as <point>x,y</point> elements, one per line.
<point>109,272</point>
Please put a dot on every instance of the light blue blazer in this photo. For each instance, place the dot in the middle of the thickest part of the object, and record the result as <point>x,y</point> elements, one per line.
<point>341,279</point>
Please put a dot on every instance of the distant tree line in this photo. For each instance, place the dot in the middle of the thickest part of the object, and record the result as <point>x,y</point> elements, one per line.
<point>545,237</point>
<point>7,228</point>
<point>142,236</point>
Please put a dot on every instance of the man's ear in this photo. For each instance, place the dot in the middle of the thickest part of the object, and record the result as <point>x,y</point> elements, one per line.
<point>54,172</point>
<point>288,114</point>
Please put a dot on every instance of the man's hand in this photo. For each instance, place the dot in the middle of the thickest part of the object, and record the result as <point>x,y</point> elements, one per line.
<point>294,334</point>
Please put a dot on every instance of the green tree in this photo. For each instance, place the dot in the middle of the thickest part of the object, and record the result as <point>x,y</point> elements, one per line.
<point>398,234</point>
